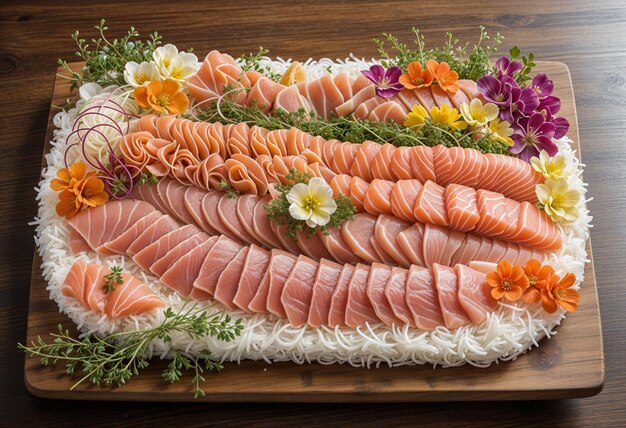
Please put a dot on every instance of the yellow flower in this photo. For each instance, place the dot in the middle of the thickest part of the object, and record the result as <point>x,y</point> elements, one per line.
<point>550,168</point>
<point>477,114</point>
<point>501,131</point>
<point>557,200</point>
<point>312,202</point>
<point>416,118</point>
<point>447,116</point>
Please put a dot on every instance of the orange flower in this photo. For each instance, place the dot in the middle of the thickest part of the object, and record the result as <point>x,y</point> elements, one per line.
<point>508,281</point>
<point>90,191</point>
<point>538,276</point>
<point>163,97</point>
<point>557,292</point>
<point>68,205</point>
<point>68,177</point>
<point>415,77</point>
<point>78,189</point>
<point>446,78</point>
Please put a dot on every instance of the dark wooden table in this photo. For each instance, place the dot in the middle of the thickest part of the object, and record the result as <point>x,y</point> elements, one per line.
<point>589,36</point>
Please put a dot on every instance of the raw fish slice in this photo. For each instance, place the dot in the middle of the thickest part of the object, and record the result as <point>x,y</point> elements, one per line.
<point>511,253</point>
<point>380,251</point>
<point>120,244</point>
<point>343,82</point>
<point>344,158</point>
<point>160,266</point>
<point>330,97</point>
<point>218,257</point>
<point>407,99</point>
<point>401,163</point>
<point>77,243</point>
<point>328,149</point>
<point>296,141</point>
<point>181,275</point>
<point>312,245</point>
<point>403,197</point>
<point>363,111</point>
<point>298,291</point>
<point>378,197</point>
<point>378,279</point>
<point>339,299</point>
<point>341,185</point>
<point>483,267</point>
<point>454,315</point>
<point>323,288</point>
<point>359,310</point>
<point>227,284</point>
<point>237,215</point>
<point>425,98</point>
<point>461,207</point>
<point>411,242</point>
<point>497,251</point>
<point>468,87</point>
<point>536,229</point>
<point>422,163</point>
<point>361,167</point>
<point>512,217</point>
<point>262,227</point>
<point>510,176</point>
<point>382,163</point>
<point>211,214</point>
<point>358,188</point>
<point>395,291</point>
<point>149,193</point>
<point>458,99</point>
<point>131,298</point>
<point>492,208</point>
<point>281,264</point>
<point>290,100</point>
<point>386,232</point>
<point>474,294</point>
<point>422,298</point>
<point>430,205</point>
<point>468,250</point>
<point>389,111</point>
<point>263,94</point>
<point>287,243</point>
<point>440,245</point>
<point>337,247</point>
<point>482,253</point>
<point>153,233</point>
<point>80,276</point>
<point>193,203</point>
<point>174,199</point>
<point>366,93</point>
<point>258,304</point>
<point>157,249</point>
<point>440,96</point>
<point>357,234</point>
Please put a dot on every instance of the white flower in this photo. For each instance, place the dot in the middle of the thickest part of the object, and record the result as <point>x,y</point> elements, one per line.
<point>313,203</point>
<point>140,74</point>
<point>172,64</point>
<point>554,168</point>
<point>477,114</point>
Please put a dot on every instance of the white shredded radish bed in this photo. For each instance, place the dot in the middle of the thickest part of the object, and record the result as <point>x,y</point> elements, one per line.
<point>506,334</point>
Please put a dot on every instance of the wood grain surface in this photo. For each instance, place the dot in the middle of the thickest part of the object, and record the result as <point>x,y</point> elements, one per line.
<point>540,374</point>
<point>588,36</point>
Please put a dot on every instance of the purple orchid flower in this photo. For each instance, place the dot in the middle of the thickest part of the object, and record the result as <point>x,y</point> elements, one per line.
<point>542,85</point>
<point>560,123</point>
<point>524,101</point>
<point>495,90</point>
<point>506,67</point>
<point>533,134</point>
<point>387,82</point>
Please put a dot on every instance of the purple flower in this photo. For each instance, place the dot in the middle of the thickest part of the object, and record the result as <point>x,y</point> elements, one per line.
<point>533,134</point>
<point>560,123</point>
<point>542,85</point>
<point>506,67</point>
<point>387,82</point>
<point>551,104</point>
<point>495,91</point>
<point>524,102</point>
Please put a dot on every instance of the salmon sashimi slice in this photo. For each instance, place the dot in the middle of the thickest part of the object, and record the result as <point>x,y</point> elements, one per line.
<point>461,207</point>
<point>446,283</point>
<point>343,82</point>
<point>359,310</point>
<point>407,99</point>
<point>440,245</point>
<point>395,291</point>
<point>386,231</point>
<point>131,298</point>
<point>227,284</point>
<point>483,251</point>
<point>422,163</point>
<point>411,242</point>
<point>287,243</point>
<point>378,279</point>
<point>77,243</point>
<point>389,111</point>
<point>153,233</point>
<point>84,276</point>
<point>425,98</point>
<point>474,294</point>
<point>510,176</point>
<point>339,299</point>
<point>358,188</point>
<point>430,205</point>
<point>160,266</point>
<point>182,274</point>
<point>337,247</point>
<point>458,99</point>
<point>440,96</point>
<point>366,93</point>
<point>381,165</point>
<point>298,291</point>
<point>120,244</point>
<point>422,298</point>
<point>312,245</point>
<point>327,149</point>
<point>172,193</point>
<point>511,253</point>
<point>216,260</point>
<point>512,217</point>
<point>263,94</point>
<point>328,95</point>
<point>245,205</point>
<point>401,163</point>
<point>343,158</point>
<point>536,229</point>
<point>498,249</point>
<point>149,193</point>
<point>361,167</point>
<point>357,234</point>
<point>457,165</point>
<point>363,111</point>
<point>493,211</point>
<point>483,267</point>
<point>378,197</point>
<point>468,250</point>
<point>157,249</point>
<point>403,197</point>
<point>289,100</point>
<point>261,225</point>
<point>193,203</point>
<point>340,185</point>
<point>217,70</point>
<point>258,304</point>
<point>469,88</point>
<point>281,265</point>
<point>323,289</point>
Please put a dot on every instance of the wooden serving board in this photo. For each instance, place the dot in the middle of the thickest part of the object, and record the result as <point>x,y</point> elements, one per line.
<point>569,365</point>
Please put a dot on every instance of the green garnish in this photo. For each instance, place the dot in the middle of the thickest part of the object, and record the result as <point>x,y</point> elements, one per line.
<point>528,63</point>
<point>115,358</point>
<point>469,66</point>
<point>251,61</point>
<point>105,60</point>
<point>225,187</point>
<point>278,208</point>
<point>113,279</point>
<point>147,178</point>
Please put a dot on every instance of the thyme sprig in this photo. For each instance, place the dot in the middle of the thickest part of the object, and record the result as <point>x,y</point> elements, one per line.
<point>115,358</point>
<point>147,178</point>
<point>113,279</point>
<point>252,61</point>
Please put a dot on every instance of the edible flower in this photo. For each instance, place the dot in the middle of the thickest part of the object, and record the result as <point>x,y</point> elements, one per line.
<point>557,200</point>
<point>533,134</point>
<point>163,97</point>
<point>79,188</point>
<point>387,81</point>
<point>179,66</point>
<point>446,78</point>
<point>416,77</point>
<point>137,75</point>
<point>68,177</point>
<point>90,191</point>
<point>416,118</point>
<point>447,116</point>
<point>294,74</point>
<point>494,90</point>
<point>524,102</point>
<point>553,168</point>
<point>478,114</point>
<point>312,202</point>
<point>506,67</point>
<point>538,277</point>
<point>501,131</point>
<point>542,85</point>
<point>508,281</point>
<point>558,292</point>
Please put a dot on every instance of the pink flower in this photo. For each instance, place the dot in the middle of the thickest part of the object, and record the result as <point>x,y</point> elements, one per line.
<point>387,81</point>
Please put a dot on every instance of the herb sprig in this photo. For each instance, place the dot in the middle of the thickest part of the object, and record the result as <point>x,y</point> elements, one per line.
<point>528,63</point>
<point>147,178</point>
<point>113,279</point>
<point>115,358</point>
<point>252,61</point>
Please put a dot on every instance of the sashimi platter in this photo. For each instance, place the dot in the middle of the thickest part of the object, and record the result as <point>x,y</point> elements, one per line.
<point>422,208</point>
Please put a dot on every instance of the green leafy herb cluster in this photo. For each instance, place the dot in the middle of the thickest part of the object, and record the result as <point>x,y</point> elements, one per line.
<point>113,279</point>
<point>528,63</point>
<point>117,357</point>
<point>278,208</point>
<point>346,128</point>
<point>470,63</point>
<point>147,178</point>
<point>251,61</point>
<point>105,59</point>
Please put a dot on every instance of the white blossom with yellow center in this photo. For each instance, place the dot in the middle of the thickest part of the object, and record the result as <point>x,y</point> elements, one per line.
<point>179,66</point>
<point>478,114</point>
<point>137,75</point>
<point>558,201</point>
<point>554,168</point>
<point>312,203</point>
